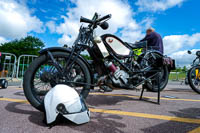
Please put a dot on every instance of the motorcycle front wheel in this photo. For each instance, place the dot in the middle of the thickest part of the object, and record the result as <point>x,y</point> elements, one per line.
<point>42,75</point>
<point>194,78</point>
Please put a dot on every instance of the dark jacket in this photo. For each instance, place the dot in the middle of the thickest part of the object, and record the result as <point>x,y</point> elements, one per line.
<point>154,41</point>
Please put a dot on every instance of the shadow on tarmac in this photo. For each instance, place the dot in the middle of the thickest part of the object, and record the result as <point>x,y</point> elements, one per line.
<point>35,117</point>
<point>175,127</point>
<point>19,93</point>
<point>99,100</point>
<point>99,122</point>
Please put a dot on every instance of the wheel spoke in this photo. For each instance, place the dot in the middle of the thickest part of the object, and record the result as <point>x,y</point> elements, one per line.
<point>47,77</point>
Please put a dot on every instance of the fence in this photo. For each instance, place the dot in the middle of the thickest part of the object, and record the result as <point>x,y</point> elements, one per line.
<point>23,62</point>
<point>8,65</point>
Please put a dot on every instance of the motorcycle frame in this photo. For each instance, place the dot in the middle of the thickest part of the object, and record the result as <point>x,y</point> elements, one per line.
<point>83,42</point>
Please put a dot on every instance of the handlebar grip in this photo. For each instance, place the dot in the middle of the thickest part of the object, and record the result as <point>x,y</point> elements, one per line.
<point>82,19</point>
<point>105,17</point>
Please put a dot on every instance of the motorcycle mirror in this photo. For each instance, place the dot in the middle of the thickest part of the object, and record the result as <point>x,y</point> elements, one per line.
<point>189,52</point>
<point>198,53</point>
<point>104,25</point>
<point>95,16</point>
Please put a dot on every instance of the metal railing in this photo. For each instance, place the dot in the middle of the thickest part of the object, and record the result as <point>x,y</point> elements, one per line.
<point>8,64</point>
<point>23,62</point>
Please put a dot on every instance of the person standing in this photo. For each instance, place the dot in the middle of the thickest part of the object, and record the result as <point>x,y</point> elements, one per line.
<point>154,40</point>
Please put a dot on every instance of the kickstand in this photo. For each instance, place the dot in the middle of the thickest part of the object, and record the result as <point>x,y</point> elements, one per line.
<point>158,96</point>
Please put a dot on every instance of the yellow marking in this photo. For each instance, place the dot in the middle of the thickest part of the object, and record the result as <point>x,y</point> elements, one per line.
<point>197,130</point>
<point>14,100</point>
<point>151,116</point>
<point>120,95</point>
<point>19,88</point>
<point>190,100</point>
<point>133,114</point>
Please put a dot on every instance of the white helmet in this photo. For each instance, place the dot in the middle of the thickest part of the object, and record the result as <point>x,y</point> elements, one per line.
<point>64,100</point>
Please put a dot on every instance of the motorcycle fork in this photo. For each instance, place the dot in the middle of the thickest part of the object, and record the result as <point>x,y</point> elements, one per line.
<point>73,58</point>
<point>55,63</point>
<point>68,66</point>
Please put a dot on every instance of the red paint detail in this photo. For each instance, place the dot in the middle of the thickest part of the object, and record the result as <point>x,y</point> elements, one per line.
<point>110,40</point>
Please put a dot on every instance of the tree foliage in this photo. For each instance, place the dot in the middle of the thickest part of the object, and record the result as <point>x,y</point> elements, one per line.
<point>29,45</point>
<point>87,57</point>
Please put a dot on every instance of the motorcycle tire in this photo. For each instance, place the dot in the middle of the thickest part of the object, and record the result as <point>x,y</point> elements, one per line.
<point>191,75</point>
<point>28,81</point>
<point>163,81</point>
<point>4,83</point>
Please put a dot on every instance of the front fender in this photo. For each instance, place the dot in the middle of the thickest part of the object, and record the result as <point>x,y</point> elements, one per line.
<point>53,49</point>
<point>68,50</point>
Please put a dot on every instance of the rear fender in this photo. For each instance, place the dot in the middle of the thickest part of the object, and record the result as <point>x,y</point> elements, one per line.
<point>159,61</point>
<point>169,62</point>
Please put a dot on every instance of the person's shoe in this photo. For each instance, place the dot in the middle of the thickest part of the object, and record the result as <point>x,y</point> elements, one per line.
<point>105,88</point>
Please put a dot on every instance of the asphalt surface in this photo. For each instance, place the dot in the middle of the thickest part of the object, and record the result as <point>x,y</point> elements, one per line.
<point>114,112</point>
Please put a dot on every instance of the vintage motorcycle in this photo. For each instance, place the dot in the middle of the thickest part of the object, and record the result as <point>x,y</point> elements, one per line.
<point>114,63</point>
<point>193,74</point>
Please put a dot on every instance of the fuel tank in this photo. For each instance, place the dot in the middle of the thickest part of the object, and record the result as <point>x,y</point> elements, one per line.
<point>115,45</point>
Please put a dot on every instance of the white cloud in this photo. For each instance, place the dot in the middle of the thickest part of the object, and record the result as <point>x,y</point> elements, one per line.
<point>16,20</point>
<point>51,25</point>
<point>64,39</point>
<point>182,58</point>
<point>157,5</point>
<point>2,40</point>
<point>122,18</point>
<point>174,43</point>
<point>147,22</point>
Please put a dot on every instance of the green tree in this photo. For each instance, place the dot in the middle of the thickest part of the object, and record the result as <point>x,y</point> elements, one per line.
<point>87,57</point>
<point>28,45</point>
<point>184,69</point>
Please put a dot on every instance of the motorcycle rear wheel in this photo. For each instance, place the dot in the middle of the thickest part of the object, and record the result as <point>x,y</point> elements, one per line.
<point>163,77</point>
<point>155,60</point>
<point>37,78</point>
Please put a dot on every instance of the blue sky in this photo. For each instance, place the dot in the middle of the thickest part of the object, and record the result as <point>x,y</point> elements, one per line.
<point>56,22</point>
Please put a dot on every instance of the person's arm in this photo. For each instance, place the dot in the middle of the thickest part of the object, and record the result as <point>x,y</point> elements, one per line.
<point>146,38</point>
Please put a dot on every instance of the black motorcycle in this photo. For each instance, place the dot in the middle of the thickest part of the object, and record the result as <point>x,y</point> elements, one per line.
<point>193,75</point>
<point>114,63</point>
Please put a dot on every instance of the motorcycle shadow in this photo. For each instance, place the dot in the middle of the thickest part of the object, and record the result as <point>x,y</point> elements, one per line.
<point>113,99</point>
<point>99,122</point>
<point>110,123</point>
<point>35,116</point>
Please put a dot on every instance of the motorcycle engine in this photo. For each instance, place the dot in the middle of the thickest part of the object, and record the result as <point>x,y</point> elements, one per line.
<point>118,77</point>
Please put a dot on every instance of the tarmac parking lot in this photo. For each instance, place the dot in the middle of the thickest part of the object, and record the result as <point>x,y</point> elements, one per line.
<point>119,111</point>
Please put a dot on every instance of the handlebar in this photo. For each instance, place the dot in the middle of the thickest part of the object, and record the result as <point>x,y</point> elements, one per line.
<point>82,19</point>
<point>105,17</point>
